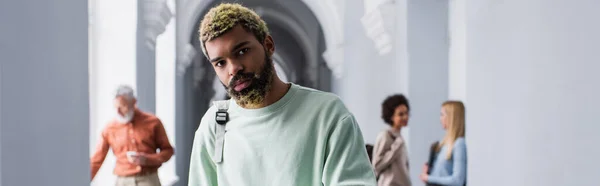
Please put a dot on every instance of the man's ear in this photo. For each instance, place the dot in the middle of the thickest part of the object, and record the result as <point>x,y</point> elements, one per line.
<point>269,45</point>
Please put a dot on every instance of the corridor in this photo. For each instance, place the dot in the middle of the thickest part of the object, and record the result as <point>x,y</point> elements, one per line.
<point>526,71</point>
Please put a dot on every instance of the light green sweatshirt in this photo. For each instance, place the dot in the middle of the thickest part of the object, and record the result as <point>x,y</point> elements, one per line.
<point>307,138</point>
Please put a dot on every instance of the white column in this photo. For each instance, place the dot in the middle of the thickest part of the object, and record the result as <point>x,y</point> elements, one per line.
<point>381,74</point>
<point>532,76</point>
<point>428,85</point>
<point>165,91</point>
<point>457,74</point>
<point>44,93</point>
<point>112,62</point>
<point>331,15</point>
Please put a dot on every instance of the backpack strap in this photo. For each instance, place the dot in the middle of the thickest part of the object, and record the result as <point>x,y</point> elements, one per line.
<point>221,119</point>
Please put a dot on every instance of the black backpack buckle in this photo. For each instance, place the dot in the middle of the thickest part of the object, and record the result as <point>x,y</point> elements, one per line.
<point>222,117</point>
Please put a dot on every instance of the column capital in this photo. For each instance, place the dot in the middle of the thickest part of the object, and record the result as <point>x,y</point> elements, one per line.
<point>156,15</point>
<point>185,59</point>
<point>379,21</point>
<point>334,57</point>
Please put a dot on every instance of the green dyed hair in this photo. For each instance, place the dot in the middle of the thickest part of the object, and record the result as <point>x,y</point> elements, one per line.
<point>224,17</point>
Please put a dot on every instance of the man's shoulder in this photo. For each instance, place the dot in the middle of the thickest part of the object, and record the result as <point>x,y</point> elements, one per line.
<point>210,114</point>
<point>147,115</point>
<point>147,118</point>
<point>323,102</point>
<point>319,97</point>
<point>315,92</point>
<point>110,125</point>
<point>212,109</point>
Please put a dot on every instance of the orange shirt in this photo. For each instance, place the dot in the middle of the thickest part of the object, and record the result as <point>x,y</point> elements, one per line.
<point>145,133</point>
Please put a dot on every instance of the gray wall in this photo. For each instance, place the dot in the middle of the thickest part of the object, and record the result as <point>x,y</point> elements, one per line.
<point>1,47</point>
<point>428,77</point>
<point>532,92</point>
<point>44,83</point>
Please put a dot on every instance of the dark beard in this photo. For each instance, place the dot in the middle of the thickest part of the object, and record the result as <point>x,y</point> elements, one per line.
<point>260,84</point>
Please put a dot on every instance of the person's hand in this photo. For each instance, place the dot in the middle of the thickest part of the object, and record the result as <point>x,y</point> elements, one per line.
<point>138,159</point>
<point>425,168</point>
<point>424,177</point>
<point>399,140</point>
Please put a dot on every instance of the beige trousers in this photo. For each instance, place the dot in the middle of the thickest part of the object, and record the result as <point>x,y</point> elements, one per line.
<point>146,180</point>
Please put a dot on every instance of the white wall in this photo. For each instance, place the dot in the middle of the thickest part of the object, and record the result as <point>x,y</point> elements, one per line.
<point>165,92</point>
<point>368,78</point>
<point>44,83</point>
<point>532,91</point>
<point>428,79</point>
<point>457,62</point>
<point>112,62</point>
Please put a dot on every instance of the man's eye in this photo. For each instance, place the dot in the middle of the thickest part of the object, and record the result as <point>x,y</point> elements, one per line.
<point>219,63</point>
<point>243,51</point>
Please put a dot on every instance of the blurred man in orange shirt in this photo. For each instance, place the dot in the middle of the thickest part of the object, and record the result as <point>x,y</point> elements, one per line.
<point>133,136</point>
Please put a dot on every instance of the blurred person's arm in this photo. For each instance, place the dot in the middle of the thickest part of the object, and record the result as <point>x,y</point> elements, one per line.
<point>99,154</point>
<point>382,156</point>
<point>162,141</point>
<point>459,169</point>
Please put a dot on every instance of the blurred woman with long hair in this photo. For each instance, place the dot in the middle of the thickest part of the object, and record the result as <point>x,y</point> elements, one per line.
<point>449,167</point>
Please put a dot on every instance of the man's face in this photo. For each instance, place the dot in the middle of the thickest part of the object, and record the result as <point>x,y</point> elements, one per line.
<point>243,65</point>
<point>123,105</point>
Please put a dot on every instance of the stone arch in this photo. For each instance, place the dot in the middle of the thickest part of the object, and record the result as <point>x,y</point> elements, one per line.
<point>329,14</point>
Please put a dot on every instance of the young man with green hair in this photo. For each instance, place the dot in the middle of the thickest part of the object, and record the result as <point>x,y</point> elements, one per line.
<point>270,133</point>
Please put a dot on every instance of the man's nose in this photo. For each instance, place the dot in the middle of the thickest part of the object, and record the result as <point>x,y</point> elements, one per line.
<point>234,68</point>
